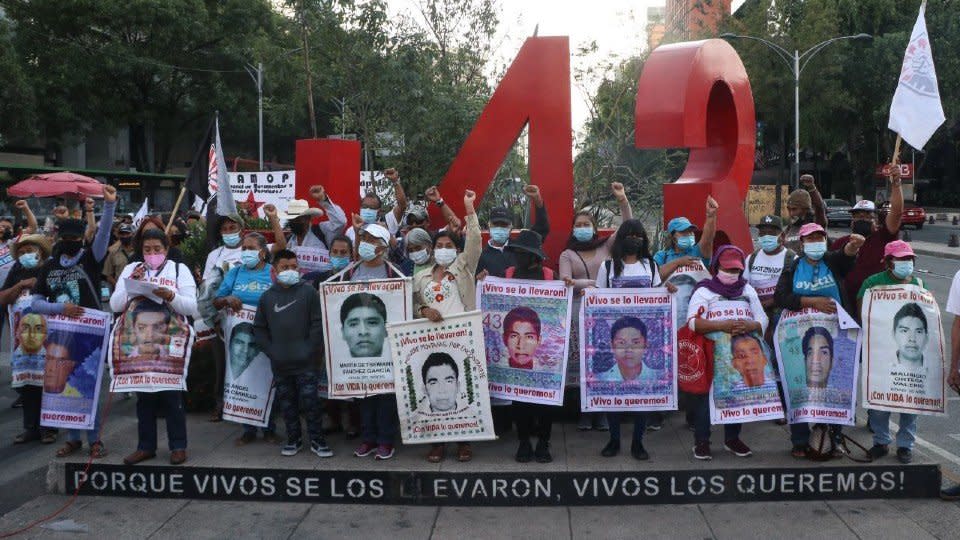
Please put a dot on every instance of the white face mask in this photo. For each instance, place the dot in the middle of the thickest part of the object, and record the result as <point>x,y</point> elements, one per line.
<point>445,256</point>
<point>420,257</point>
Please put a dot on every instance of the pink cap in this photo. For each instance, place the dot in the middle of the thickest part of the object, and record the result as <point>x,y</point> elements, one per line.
<point>898,248</point>
<point>731,259</point>
<point>811,228</point>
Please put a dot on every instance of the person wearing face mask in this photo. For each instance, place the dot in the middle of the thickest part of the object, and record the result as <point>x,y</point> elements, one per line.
<point>316,238</point>
<point>448,288</point>
<point>870,259</point>
<point>683,249</point>
<point>898,257</point>
<point>495,259</point>
<point>9,236</point>
<point>714,297</point>
<point>419,247</point>
<point>805,205</point>
<point>181,299</point>
<point>815,280</point>
<point>30,252</point>
<point>118,258</point>
<point>578,269</point>
<point>242,286</point>
<point>151,223</point>
<point>371,208</point>
<point>69,282</point>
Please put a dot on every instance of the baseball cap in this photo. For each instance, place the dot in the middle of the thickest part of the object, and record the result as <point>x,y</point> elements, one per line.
<point>811,228</point>
<point>771,220</point>
<point>679,224</point>
<point>731,259</point>
<point>898,248</point>
<point>125,228</point>
<point>378,231</point>
<point>864,206</point>
<point>501,215</point>
<point>418,213</point>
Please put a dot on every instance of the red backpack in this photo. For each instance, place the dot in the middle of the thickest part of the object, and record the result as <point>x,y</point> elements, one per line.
<point>694,360</point>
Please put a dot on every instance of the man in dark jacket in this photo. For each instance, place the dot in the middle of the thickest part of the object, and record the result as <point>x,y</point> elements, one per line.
<point>495,259</point>
<point>292,346</point>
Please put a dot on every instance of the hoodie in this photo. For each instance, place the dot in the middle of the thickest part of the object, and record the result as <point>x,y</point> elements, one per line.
<point>288,328</point>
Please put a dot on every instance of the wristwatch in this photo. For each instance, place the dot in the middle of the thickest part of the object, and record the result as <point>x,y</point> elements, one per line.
<point>440,203</point>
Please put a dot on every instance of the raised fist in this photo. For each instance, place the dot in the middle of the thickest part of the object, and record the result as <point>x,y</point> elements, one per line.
<point>109,194</point>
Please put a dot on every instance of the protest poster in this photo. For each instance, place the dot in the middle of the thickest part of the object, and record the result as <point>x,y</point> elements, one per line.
<point>266,187</point>
<point>150,348</point>
<point>818,354</point>
<point>27,354</point>
<point>6,259</point>
<point>73,368</point>
<point>355,317</point>
<point>312,259</point>
<point>903,351</point>
<point>440,373</point>
<point>744,384</point>
<point>248,386</point>
<point>525,329</point>
<point>627,349</point>
<point>685,278</point>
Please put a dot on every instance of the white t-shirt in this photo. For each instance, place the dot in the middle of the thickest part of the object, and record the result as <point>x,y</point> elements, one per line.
<point>953,299</point>
<point>634,275</point>
<point>718,308</point>
<point>173,276</point>
<point>765,272</point>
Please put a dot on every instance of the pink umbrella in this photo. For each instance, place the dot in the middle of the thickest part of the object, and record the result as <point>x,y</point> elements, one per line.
<point>58,184</point>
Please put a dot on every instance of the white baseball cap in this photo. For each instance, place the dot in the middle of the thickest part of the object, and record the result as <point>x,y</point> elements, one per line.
<point>864,206</point>
<point>378,231</point>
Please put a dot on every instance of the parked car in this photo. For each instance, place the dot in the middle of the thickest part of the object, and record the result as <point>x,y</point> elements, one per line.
<point>838,212</point>
<point>913,214</point>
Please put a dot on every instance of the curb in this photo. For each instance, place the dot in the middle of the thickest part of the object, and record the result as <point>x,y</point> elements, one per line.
<point>937,254</point>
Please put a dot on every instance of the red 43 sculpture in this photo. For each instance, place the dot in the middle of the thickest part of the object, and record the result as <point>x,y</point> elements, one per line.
<point>692,95</point>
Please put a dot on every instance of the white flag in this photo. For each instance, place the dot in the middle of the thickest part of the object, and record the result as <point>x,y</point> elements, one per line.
<point>141,214</point>
<point>916,112</point>
<point>219,180</point>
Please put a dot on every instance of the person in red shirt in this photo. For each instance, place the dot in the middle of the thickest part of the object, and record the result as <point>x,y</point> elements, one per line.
<point>870,259</point>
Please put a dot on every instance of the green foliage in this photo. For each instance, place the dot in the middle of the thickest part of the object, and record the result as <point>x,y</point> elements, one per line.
<point>194,247</point>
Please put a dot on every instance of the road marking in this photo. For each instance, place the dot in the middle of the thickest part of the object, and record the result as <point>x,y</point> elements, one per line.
<point>945,454</point>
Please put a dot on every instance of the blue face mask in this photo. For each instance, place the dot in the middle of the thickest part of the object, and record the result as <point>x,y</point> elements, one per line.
<point>686,242</point>
<point>903,269</point>
<point>339,263</point>
<point>250,258</point>
<point>769,242</point>
<point>231,239</point>
<point>369,215</point>
<point>29,260</point>
<point>499,234</point>
<point>583,234</point>
<point>815,250</point>
<point>367,251</point>
<point>289,277</point>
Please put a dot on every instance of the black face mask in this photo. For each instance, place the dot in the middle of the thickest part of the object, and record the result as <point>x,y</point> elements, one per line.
<point>527,260</point>
<point>632,246</point>
<point>7,234</point>
<point>862,227</point>
<point>125,240</point>
<point>298,227</point>
<point>70,247</point>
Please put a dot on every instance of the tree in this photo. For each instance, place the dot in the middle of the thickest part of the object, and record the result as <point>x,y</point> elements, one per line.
<point>17,104</point>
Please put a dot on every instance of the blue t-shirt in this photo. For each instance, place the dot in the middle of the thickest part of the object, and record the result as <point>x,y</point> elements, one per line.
<point>664,256</point>
<point>815,280</point>
<point>246,284</point>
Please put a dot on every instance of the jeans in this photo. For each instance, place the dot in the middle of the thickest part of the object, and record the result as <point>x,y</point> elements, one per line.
<point>639,424</point>
<point>880,424</point>
<point>699,406</point>
<point>31,396</point>
<point>800,433</point>
<point>297,394</point>
<point>93,435</point>
<point>379,419</point>
<point>171,403</point>
<point>533,420</point>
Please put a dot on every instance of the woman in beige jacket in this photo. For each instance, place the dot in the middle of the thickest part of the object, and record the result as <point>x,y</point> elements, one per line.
<point>449,288</point>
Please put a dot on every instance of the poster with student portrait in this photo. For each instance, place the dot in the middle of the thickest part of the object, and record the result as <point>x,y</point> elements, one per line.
<point>248,385</point>
<point>150,348</point>
<point>628,347</point>
<point>526,324</point>
<point>29,331</point>
<point>355,318</point>
<point>744,384</point>
<point>685,279</point>
<point>441,379</point>
<point>903,352</point>
<point>819,356</point>
<point>73,368</point>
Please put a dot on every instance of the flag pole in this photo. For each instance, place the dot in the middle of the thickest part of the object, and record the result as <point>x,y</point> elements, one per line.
<point>896,149</point>
<point>176,208</point>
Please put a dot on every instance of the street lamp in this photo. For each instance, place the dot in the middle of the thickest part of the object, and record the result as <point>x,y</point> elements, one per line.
<point>796,62</point>
<point>256,73</point>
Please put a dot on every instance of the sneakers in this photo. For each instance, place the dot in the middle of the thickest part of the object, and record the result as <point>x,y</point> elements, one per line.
<point>951,493</point>
<point>878,451</point>
<point>600,423</point>
<point>585,423</point>
<point>702,451</point>
<point>738,448</point>
<point>524,452</point>
<point>365,449</point>
<point>542,453</point>
<point>638,451</point>
<point>611,449</point>
<point>655,426</point>
<point>384,452</point>
<point>904,455</point>
<point>292,448</point>
<point>320,448</point>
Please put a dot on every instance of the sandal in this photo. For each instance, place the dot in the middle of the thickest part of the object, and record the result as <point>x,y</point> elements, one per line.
<point>217,414</point>
<point>48,437</point>
<point>97,450</point>
<point>26,437</point>
<point>69,448</point>
<point>799,451</point>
